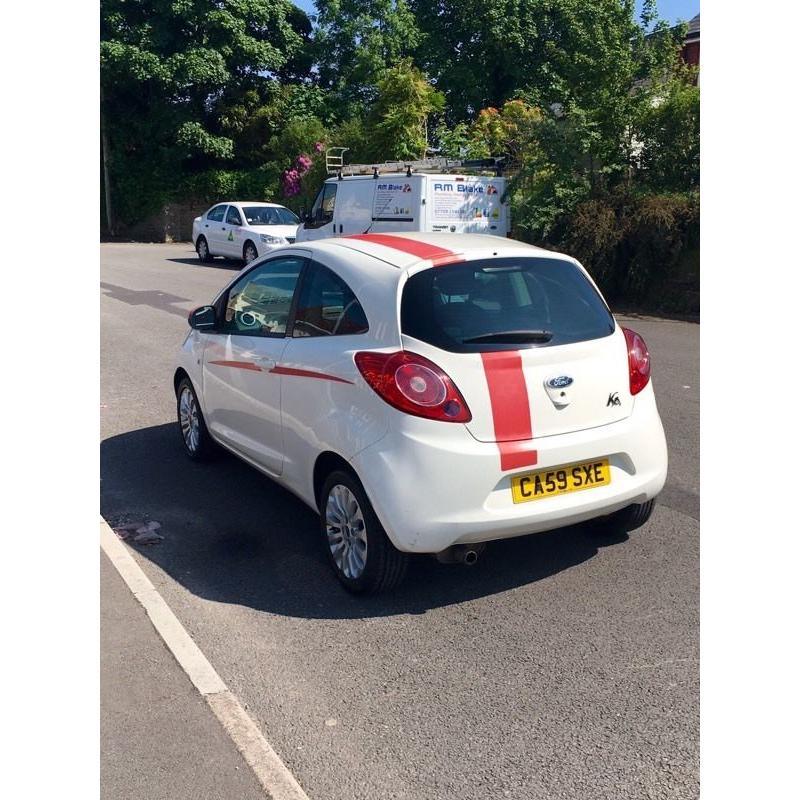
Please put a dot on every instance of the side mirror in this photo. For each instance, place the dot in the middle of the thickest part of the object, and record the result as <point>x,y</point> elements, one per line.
<point>203,318</point>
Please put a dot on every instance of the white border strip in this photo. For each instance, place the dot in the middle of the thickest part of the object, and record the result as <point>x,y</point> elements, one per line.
<point>271,772</point>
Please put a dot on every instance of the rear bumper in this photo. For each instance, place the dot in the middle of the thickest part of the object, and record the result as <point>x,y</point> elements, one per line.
<point>434,485</point>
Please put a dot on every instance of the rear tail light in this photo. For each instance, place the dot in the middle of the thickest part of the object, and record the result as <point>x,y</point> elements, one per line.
<point>413,384</point>
<point>638,361</point>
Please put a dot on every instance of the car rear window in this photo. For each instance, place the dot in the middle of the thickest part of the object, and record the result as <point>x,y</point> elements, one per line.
<point>506,303</point>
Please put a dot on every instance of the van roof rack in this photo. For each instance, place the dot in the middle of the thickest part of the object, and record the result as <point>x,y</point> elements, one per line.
<point>334,163</point>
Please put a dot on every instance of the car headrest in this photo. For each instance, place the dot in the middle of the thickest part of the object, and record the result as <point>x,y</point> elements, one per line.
<point>455,280</point>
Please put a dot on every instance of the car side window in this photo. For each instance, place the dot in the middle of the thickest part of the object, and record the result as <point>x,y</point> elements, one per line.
<point>327,306</point>
<point>259,304</point>
<point>233,218</point>
<point>217,214</point>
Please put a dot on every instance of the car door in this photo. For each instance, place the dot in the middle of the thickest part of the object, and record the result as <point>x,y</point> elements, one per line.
<point>320,225</point>
<point>211,228</point>
<point>241,389</point>
<point>317,393</point>
<point>233,234</point>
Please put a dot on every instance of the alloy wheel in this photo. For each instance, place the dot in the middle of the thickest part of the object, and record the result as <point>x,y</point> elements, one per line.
<point>347,532</point>
<point>189,419</point>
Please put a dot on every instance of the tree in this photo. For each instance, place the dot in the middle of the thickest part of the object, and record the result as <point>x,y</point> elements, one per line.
<point>166,69</point>
<point>398,123</point>
<point>669,130</point>
<point>558,86</point>
<point>452,142</point>
<point>571,52</point>
<point>508,132</point>
<point>356,41</point>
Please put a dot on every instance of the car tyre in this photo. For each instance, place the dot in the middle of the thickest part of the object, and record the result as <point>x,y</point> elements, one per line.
<point>196,439</point>
<point>626,519</point>
<point>203,253</point>
<point>249,252</point>
<point>363,558</point>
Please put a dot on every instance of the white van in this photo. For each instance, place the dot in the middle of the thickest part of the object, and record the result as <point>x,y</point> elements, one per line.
<point>403,202</point>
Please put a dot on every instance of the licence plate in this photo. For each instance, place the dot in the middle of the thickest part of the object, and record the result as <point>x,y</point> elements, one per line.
<point>560,480</point>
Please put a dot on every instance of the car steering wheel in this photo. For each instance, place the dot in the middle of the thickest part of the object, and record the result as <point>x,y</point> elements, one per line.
<point>247,319</point>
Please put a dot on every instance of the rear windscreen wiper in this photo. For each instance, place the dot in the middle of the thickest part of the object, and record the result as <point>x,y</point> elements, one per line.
<point>514,337</point>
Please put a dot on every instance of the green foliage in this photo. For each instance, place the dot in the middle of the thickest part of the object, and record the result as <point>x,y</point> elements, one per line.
<point>452,142</point>
<point>194,139</point>
<point>571,52</point>
<point>298,136</point>
<point>660,228</point>
<point>600,127</point>
<point>168,71</point>
<point>643,250</point>
<point>509,131</point>
<point>353,135</point>
<point>356,40</point>
<point>214,185</point>
<point>670,133</point>
<point>398,123</point>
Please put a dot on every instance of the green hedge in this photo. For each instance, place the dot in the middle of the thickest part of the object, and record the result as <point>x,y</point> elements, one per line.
<point>643,251</point>
<point>261,183</point>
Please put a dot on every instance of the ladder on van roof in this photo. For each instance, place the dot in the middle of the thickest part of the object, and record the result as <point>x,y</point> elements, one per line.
<point>334,163</point>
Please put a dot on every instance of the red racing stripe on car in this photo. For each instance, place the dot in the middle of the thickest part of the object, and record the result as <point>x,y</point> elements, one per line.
<point>511,411</point>
<point>514,455</point>
<point>237,365</point>
<point>430,252</point>
<point>304,373</point>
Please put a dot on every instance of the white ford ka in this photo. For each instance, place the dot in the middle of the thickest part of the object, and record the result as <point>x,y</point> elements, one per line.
<point>425,393</point>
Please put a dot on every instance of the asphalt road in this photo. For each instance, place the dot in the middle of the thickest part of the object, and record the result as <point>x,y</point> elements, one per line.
<point>560,666</point>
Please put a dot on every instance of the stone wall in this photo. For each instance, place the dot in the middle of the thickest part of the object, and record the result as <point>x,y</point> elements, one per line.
<point>172,224</point>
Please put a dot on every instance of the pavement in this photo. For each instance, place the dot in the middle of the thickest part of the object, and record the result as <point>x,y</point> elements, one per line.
<point>158,738</point>
<point>560,666</point>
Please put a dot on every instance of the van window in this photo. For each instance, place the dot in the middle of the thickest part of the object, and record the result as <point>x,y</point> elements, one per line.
<point>322,211</point>
<point>327,306</point>
<point>503,304</point>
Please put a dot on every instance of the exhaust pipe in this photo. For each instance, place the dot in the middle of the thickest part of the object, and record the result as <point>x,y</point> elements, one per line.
<point>466,554</point>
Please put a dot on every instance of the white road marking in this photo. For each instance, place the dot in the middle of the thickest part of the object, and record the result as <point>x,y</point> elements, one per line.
<point>273,775</point>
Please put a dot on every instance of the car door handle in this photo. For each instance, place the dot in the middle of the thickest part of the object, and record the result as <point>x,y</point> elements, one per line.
<point>265,362</point>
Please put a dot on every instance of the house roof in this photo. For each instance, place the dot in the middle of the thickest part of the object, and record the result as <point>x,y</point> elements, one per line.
<point>693,31</point>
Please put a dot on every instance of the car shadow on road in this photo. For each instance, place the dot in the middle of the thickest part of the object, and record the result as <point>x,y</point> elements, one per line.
<point>220,263</point>
<point>231,535</point>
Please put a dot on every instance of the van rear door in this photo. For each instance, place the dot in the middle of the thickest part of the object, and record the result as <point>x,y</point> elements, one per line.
<point>467,204</point>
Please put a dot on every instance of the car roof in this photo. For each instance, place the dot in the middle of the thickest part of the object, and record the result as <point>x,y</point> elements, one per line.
<point>401,173</point>
<point>406,250</point>
<point>247,203</point>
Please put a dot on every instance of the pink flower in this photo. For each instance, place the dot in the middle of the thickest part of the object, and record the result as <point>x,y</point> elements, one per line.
<point>302,164</point>
<point>291,182</point>
<point>319,147</point>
